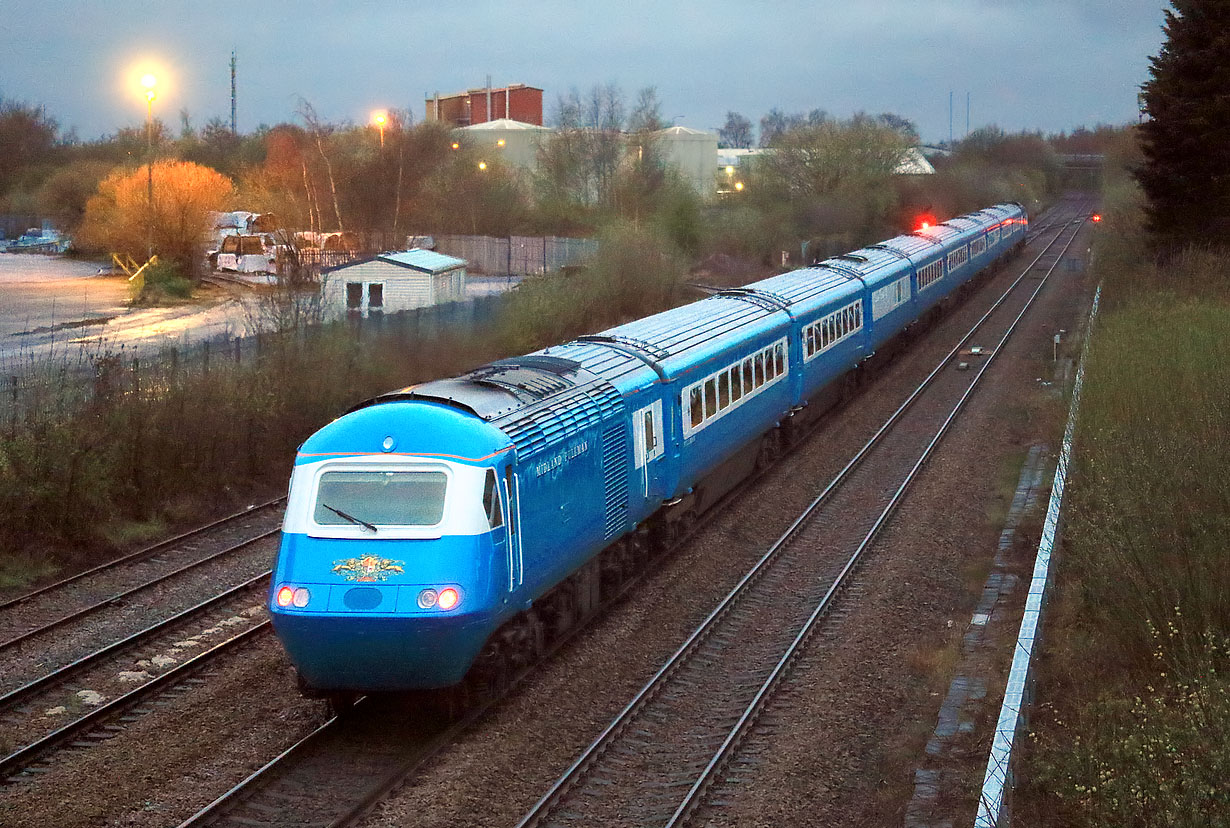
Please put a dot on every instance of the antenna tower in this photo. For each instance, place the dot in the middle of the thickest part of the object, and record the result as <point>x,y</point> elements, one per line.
<point>234,125</point>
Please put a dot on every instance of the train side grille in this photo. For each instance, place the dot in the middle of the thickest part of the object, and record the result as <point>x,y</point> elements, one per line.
<point>615,478</point>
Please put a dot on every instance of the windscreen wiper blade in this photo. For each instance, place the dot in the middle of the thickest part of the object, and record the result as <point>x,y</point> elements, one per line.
<point>350,517</point>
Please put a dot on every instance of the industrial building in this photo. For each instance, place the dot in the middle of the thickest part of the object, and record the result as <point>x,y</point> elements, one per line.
<point>517,102</point>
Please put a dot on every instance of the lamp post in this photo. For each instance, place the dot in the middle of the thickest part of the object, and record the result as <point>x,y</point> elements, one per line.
<point>380,118</point>
<point>149,82</point>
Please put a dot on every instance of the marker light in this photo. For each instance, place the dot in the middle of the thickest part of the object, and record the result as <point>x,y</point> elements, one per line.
<point>1095,218</point>
<point>285,596</point>
<point>448,598</point>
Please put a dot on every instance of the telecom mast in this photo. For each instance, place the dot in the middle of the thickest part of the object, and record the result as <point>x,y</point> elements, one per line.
<point>234,126</point>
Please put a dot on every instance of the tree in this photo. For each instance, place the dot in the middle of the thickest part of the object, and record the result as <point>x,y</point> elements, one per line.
<point>774,124</point>
<point>27,137</point>
<point>903,125</point>
<point>120,219</point>
<point>66,191</point>
<point>1186,174</point>
<point>737,133</point>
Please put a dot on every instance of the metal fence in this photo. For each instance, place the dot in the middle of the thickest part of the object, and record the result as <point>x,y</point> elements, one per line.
<point>36,390</point>
<point>516,255</point>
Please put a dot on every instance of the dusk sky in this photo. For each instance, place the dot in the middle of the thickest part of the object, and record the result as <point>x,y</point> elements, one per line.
<point>1026,64</point>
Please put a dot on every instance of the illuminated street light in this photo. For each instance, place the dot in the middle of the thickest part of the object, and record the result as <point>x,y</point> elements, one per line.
<point>739,186</point>
<point>456,145</point>
<point>500,143</point>
<point>380,118</point>
<point>482,165</point>
<point>150,83</point>
<point>730,171</point>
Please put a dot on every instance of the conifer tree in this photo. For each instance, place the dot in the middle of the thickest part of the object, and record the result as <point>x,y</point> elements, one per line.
<point>1186,138</point>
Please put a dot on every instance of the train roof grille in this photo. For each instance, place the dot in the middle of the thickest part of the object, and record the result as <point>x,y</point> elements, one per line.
<point>655,351</point>
<point>761,298</point>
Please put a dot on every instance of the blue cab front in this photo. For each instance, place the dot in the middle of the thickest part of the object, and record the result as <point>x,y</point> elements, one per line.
<point>394,564</point>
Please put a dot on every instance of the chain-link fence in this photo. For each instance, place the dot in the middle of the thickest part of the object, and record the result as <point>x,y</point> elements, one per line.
<point>37,388</point>
<point>516,255</point>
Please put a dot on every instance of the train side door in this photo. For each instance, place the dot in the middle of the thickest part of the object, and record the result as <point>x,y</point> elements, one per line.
<point>650,445</point>
<point>516,557</point>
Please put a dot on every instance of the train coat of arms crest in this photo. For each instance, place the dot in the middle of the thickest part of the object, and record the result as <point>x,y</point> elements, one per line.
<point>368,568</point>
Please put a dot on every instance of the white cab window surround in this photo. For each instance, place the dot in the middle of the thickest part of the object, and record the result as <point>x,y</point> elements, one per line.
<point>463,512</point>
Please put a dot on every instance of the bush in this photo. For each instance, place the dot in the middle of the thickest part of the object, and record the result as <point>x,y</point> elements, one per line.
<point>160,283</point>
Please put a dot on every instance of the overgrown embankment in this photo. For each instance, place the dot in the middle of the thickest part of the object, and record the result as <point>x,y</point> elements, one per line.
<point>177,440</point>
<point>1135,681</point>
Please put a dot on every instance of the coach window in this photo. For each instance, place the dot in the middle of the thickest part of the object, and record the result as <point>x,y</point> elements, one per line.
<point>724,390</point>
<point>768,366</point>
<point>779,355</point>
<point>698,407</point>
<point>710,398</point>
<point>759,369</point>
<point>736,387</point>
<point>811,341</point>
<point>491,501</point>
<point>749,382</point>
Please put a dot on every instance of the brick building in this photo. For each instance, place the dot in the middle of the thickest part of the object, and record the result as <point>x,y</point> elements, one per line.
<point>517,102</point>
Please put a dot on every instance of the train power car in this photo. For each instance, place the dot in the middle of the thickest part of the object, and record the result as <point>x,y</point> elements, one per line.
<point>450,530</point>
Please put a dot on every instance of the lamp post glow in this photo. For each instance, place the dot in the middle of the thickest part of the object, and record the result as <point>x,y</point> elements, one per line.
<point>149,82</point>
<point>380,118</point>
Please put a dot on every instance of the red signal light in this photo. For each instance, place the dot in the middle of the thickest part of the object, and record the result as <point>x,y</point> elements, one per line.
<point>1095,218</point>
<point>924,222</point>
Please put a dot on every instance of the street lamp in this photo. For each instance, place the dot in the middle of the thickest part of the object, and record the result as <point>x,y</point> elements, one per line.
<point>482,165</point>
<point>380,118</point>
<point>149,82</point>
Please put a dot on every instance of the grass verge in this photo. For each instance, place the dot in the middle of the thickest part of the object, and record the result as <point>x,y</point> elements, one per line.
<point>1135,677</point>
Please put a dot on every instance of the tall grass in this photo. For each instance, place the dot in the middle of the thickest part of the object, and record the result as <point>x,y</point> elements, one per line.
<point>1135,675</point>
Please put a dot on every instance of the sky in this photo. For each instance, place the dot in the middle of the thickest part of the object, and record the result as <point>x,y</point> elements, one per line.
<point>1050,65</point>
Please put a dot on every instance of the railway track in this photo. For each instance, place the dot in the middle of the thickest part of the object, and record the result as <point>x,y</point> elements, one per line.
<point>334,775</point>
<point>96,696</point>
<point>656,762</point>
<point>65,622</point>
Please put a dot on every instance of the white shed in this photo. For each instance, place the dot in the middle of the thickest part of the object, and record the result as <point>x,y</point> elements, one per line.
<point>393,282</point>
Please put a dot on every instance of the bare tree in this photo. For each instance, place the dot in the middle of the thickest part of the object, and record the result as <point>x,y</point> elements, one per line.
<point>737,133</point>
<point>320,133</point>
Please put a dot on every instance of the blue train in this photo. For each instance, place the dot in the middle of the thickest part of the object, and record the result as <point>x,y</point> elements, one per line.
<point>451,530</point>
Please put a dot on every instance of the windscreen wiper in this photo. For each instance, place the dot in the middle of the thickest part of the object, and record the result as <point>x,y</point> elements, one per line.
<point>350,517</point>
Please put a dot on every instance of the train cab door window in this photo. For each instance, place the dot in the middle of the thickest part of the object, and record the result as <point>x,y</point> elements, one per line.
<point>736,387</point>
<point>647,432</point>
<point>491,501</point>
<point>516,563</point>
<point>375,297</point>
<point>697,407</point>
<point>723,390</point>
<point>354,296</point>
<point>710,398</point>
